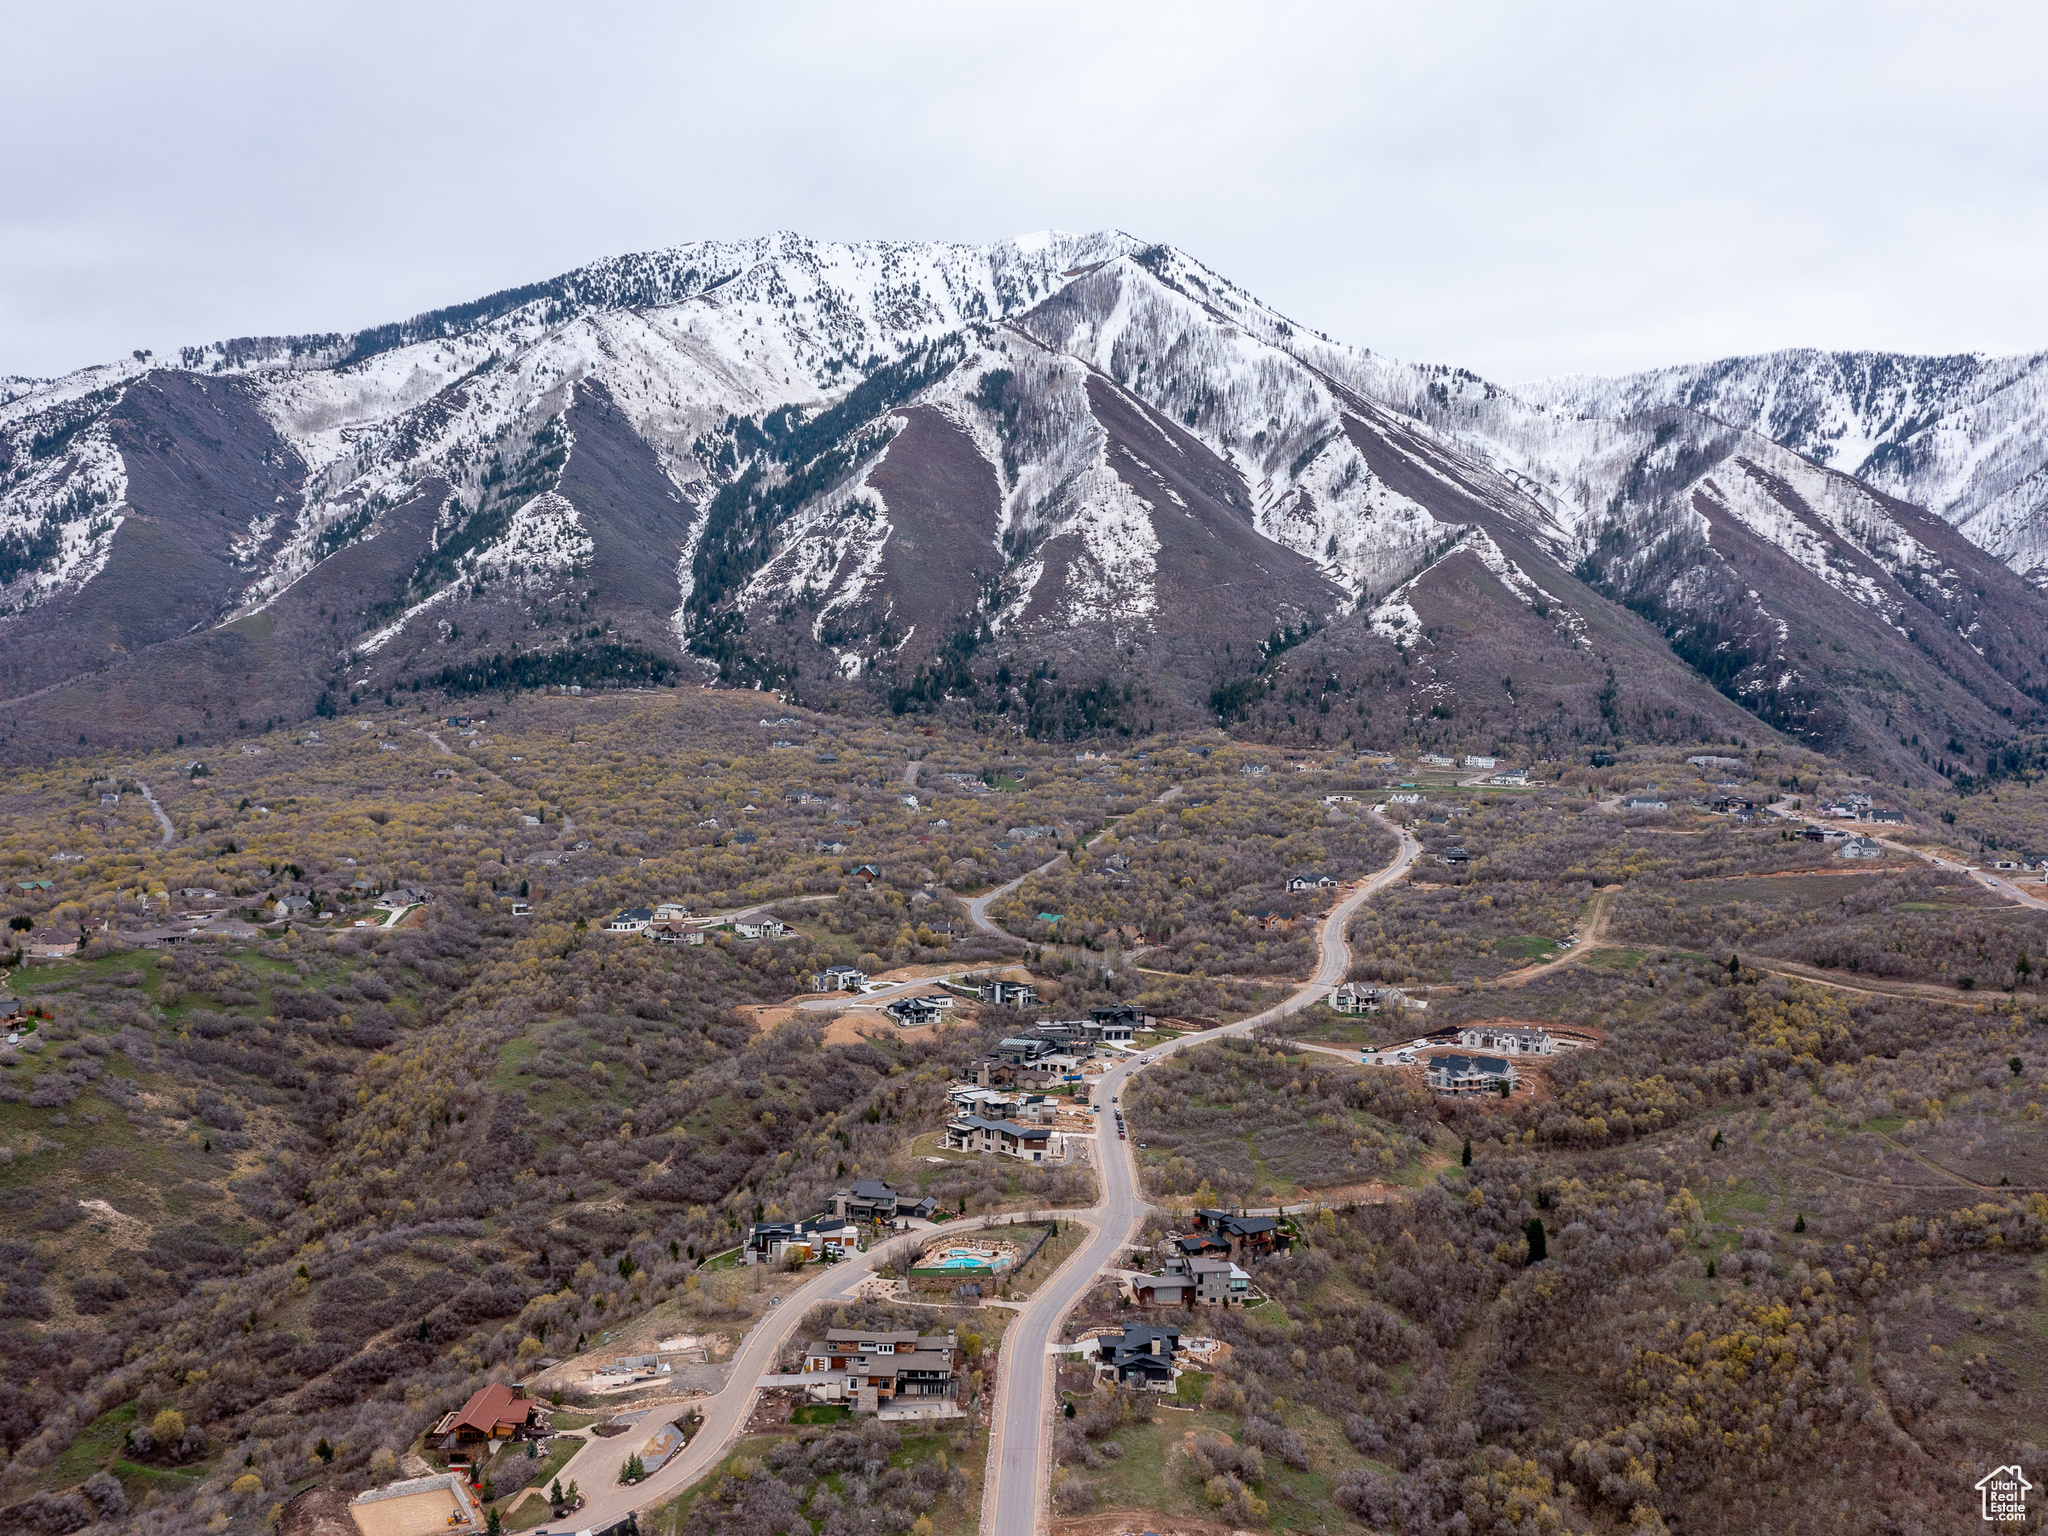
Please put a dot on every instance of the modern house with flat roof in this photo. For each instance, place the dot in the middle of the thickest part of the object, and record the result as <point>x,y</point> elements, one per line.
<point>1169,1290</point>
<point>1218,1282</point>
<point>876,1369</point>
<point>872,1200</point>
<point>770,1242</point>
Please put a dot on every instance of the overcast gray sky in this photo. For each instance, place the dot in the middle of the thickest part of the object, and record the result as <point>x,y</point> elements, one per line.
<point>1521,189</point>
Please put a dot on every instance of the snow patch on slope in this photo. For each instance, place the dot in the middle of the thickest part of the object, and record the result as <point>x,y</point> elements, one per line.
<point>70,505</point>
<point>544,538</point>
<point>1394,616</point>
<point>1965,436</point>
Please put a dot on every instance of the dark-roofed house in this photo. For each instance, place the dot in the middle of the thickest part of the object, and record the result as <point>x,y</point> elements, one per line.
<point>1351,998</point>
<point>1127,1014</point>
<point>996,1072</point>
<point>915,1010</point>
<point>631,920</point>
<point>1021,1052</point>
<point>1144,1355</point>
<point>1253,1234</point>
<point>872,1200</point>
<point>875,1368</point>
<point>493,1412</point>
<point>769,1242</point>
<point>972,1133</point>
<point>1218,1282</point>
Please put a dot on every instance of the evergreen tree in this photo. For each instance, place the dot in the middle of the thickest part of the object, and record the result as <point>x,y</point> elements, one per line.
<point>1465,1161</point>
<point>1539,1240</point>
<point>1800,1224</point>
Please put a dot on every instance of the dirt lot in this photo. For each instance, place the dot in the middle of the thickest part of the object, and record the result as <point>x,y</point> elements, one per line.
<point>687,1316</point>
<point>772,1409</point>
<point>847,1027</point>
<point>840,1028</point>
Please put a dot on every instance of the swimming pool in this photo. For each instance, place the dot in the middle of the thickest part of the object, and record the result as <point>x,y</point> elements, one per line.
<point>964,1258</point>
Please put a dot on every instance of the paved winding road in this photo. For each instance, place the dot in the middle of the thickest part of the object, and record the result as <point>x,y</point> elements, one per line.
<point>170,832</point>
<point>1015,1502</point>
<point>1016,1499</point>
<point>725,1412</point>
<point>977,908</point>
<point>1998,885</point>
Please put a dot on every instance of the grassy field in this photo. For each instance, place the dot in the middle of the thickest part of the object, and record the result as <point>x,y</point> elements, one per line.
<point>820,1413</point>
<point>98,1448</point>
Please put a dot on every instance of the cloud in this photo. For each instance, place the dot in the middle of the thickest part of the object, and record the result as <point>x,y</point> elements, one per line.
<point>1522,190</point>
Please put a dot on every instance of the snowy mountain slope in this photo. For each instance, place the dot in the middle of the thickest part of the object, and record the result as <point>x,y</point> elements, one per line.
<point>1200,352</point>
<point>955,476</point>
<point>1827,606</point>
<point>1965,436</point>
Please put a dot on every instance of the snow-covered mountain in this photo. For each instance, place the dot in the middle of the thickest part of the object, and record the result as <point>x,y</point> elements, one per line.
<point>1078,480</point>
<point>1964,436</point>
